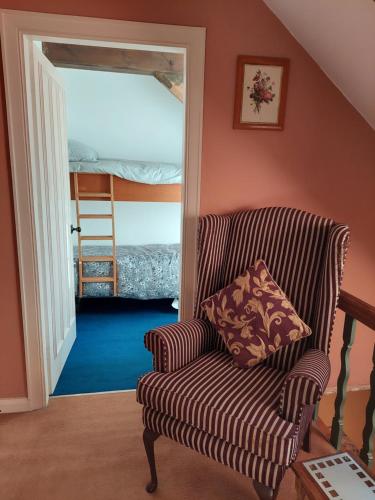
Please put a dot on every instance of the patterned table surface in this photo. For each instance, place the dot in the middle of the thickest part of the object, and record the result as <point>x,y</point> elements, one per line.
<point>334,477</point>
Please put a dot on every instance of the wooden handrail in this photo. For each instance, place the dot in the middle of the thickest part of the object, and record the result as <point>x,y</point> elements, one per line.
<point>358,309</point>
<point>355,310</point>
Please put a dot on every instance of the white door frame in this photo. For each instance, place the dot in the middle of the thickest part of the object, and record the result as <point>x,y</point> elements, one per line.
<point>16,27</point>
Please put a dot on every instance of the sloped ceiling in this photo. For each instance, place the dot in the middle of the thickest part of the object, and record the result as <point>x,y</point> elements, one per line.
<point>340,36</point>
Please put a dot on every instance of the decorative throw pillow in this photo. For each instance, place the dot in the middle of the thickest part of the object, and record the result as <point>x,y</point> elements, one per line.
<point>78,151</point>
<point>254,317</point>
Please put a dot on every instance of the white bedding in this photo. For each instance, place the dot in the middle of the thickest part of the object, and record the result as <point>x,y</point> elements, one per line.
<point>147,172</point>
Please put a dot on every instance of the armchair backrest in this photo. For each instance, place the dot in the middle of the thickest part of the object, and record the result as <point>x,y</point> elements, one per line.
<point>304,253</point>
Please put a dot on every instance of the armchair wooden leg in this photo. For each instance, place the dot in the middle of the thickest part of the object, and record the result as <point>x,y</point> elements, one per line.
<point>265,492</point>
<point>306,446</point>
<point>149,438</point>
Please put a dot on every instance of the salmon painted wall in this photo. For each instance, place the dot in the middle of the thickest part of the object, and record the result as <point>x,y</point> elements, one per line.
<point>324,160</point>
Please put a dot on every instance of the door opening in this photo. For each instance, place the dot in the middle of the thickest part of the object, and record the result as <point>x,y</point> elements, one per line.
<point>33,143</point>
<point>118,129</point>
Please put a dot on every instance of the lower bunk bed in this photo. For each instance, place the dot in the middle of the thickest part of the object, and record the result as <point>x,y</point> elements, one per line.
<point>144,272</point>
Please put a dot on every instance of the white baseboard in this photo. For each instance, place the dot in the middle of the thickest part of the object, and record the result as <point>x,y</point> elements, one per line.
<point>91,393</point>
<point>14,405</point>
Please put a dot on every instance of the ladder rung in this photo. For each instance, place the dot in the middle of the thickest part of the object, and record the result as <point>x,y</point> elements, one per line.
<point>97,258</point>
<point>85,194</point>
<point>95,216</point>
<point>98,279</point>
<point>96,237</point>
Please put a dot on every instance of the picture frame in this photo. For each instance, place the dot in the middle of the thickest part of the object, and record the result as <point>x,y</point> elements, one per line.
<point>261,91</point>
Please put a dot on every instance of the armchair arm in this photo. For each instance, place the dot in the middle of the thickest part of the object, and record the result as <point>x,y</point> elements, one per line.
<point>304,384</point>
<point>176,345</point>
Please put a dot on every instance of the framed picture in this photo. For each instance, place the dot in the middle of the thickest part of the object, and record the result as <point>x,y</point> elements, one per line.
<point>261,88</point>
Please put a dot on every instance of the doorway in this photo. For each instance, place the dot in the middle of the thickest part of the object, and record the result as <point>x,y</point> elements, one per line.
<point>125,113</point>
<point>25,157</point>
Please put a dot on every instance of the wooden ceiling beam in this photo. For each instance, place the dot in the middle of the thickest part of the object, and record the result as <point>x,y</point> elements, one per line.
<point>176,89</point>
<point>166,67</point>
<point>143,62</point>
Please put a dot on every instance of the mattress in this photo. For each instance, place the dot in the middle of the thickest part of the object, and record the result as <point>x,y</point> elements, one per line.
<point>144,271</point>
<point>146,172</point>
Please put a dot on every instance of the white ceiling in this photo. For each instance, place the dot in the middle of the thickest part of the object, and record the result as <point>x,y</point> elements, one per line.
<point>340,36</point>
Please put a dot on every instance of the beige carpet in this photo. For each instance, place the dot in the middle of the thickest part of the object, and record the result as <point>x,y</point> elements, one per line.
<point>90,448</point>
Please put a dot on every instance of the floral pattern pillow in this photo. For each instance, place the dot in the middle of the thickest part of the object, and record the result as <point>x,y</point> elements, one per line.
<point>254,316</point>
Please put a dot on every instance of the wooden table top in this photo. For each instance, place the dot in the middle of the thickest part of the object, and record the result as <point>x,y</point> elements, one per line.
<point>310,487</point>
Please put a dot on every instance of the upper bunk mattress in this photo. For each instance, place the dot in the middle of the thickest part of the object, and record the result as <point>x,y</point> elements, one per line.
<point>146,172</point>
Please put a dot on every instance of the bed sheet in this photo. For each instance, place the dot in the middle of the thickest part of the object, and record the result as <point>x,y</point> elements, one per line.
<point>146,172</point>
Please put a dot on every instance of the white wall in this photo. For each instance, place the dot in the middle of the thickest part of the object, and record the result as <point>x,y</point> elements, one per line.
<point>124,115</point>
<point>136,223</point>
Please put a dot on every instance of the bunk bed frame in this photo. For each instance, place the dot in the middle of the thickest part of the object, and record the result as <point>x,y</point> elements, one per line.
<point>124,190</point>
<point>107,187</point>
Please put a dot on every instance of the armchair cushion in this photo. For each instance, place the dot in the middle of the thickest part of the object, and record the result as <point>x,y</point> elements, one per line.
<point>245,462</point>
<point>177,344</point>
<point>304,384</point>
<point>254,316</point>
<point>238,406</point>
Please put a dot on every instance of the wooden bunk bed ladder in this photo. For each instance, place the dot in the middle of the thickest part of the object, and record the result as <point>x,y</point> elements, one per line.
<point>82,259</point>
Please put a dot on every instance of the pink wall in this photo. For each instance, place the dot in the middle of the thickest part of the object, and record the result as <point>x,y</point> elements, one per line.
<point>323,161</point>
<point>12,366</point>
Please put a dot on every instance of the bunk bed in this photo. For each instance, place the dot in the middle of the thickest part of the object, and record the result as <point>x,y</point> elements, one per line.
<point>139,272</point>
<point>132,180</point>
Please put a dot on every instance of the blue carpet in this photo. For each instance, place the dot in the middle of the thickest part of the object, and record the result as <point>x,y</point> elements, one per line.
<point>109,353</point>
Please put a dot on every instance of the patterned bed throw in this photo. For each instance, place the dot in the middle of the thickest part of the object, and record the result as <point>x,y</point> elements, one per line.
<point>144,271</point>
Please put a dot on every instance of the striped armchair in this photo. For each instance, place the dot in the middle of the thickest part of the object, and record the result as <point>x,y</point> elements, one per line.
<point>255,420</point>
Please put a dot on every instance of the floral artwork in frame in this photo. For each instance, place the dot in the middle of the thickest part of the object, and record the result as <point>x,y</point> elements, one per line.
<point>261,89</point>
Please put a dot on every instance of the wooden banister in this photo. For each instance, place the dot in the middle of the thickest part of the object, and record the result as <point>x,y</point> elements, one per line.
<point>358,309</point>
<point>355,310</point>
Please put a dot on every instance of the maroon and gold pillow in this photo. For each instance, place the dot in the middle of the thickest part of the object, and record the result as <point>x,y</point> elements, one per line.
<point>254,317</point>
